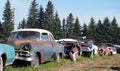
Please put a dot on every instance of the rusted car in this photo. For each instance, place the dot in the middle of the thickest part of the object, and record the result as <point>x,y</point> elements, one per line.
<point>106,49</point>
<point>88,47</point>
<point>103,50</point>
<point>71,47</point>
<point>35,45</point>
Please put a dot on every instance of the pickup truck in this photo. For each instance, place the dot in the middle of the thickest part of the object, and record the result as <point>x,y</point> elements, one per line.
<point>35,46</point>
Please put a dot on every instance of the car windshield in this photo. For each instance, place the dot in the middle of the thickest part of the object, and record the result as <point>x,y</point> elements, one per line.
<point>102,46</point>
<point>85,42</point>
<point>32,35</point>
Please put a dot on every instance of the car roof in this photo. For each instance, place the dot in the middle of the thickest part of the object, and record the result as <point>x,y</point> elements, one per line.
<point>31,29</point>
<point>67,39</point>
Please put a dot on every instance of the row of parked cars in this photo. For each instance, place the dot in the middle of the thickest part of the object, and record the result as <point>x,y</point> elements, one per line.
<point>38,46</point>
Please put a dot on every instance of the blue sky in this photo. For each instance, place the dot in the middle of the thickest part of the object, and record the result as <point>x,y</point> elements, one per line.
<point>83,9</point>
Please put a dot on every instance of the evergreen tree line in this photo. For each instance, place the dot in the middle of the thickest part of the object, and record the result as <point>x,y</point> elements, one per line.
<point>70,27</point>
<point>8,21</point>
<point>48,19</point>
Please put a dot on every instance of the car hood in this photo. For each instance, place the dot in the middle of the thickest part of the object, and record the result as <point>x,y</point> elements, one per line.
<point>84,45</point>
<point>18,44</point>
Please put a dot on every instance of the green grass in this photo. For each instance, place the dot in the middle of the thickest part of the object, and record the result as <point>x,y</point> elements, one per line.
<point>95,57</point>
<point>46,66</point>
<point>10,68</point>
<point>54,64</point>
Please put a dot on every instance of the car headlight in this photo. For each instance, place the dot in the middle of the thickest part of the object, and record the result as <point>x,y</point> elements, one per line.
<point>27,47</point>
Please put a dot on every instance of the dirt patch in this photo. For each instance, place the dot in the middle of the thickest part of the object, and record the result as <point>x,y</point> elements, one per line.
<point>105,63</point>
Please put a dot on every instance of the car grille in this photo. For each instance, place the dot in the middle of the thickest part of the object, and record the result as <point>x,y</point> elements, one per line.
<point>22,53</point>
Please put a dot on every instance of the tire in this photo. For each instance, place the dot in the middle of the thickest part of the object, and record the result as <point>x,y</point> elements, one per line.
<point>91,54</point>
<point>72,56</point>
<point>80,53</point>
<point>1,64</point>
<point>35,61</point>
<point>57,57</point>
<point>110,53</point>
<point>101,52</point>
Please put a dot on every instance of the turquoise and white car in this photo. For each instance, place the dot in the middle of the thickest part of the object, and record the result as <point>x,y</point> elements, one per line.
<point>7,55</point>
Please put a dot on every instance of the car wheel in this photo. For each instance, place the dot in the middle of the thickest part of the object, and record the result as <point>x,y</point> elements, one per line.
<point>80,53</point>
<point>57,57</point>
<point>101,52</point>
<point>1,64</point>
<point>72,56</point>
<point>35,61</point>
<point>110,53</point>
<point>91,54</point>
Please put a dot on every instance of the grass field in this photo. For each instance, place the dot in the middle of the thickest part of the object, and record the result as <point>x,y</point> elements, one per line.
<point>97,63</point>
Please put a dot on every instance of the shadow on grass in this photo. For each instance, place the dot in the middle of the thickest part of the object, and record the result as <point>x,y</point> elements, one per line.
<point>19,63</point>
<point>115,68</point>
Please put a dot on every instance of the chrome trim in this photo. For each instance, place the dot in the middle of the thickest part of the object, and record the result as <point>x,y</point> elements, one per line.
<point>23,58</point>
<point>22,51</point>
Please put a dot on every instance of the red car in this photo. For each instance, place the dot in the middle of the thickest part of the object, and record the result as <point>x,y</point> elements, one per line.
<point>106,49</point>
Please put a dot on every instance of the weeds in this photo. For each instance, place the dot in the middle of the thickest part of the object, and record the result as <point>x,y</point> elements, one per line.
<point>48,66</point>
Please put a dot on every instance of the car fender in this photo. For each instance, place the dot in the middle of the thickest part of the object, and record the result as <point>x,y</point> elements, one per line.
<point>59,49</point>
<point>41,52</point>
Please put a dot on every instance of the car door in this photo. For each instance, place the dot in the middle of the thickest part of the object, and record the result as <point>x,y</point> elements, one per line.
<point>48,50</point>
<point>52,40</point>
<point>56,47</point>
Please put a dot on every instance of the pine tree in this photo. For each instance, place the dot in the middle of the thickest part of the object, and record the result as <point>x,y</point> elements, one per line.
<point>32,17</point>
<point>8,23</point>
<point>99,32</point>
<point>49,16</point>
<point>107,30</point>
<point>91,29</point>
<point>22,25</point>
<point>70,26</point>
<point>63,28</point>
<point>114,31</point>
<point>57,27</point>
<point>85,30</point>
<point>41,15</point>
<point>77,29</point>
<point>0,28</point>
<point>2,36</point>
<point>19,26</point>
<point>118,36</point>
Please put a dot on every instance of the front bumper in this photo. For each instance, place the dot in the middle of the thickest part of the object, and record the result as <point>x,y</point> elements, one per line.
<point>23,55</point>
<point>86,49</point>
<point>24,58</point>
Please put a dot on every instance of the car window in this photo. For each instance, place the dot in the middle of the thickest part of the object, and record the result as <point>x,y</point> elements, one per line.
<point>13,35</point>
<point>44,36</point>
<point>51,38</point>
<point>32,35</point>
